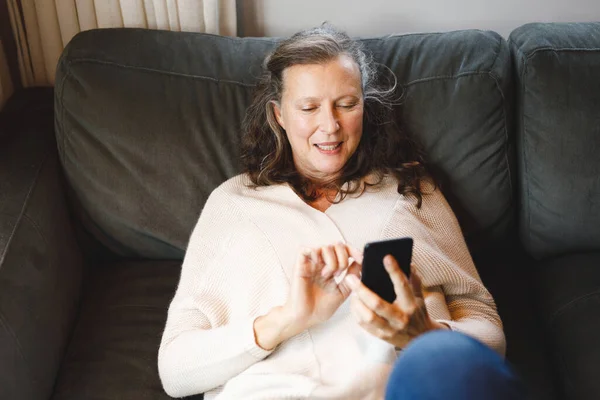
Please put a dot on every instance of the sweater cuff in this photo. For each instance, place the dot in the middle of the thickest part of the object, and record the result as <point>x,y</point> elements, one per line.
<point>448,322</point>
<point>250,341</point>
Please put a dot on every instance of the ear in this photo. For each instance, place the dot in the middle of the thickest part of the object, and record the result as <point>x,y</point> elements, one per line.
<point>278,115</point>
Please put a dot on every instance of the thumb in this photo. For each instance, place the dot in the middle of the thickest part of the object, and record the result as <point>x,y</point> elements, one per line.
<point>355,269</point>
<point>355,253</point>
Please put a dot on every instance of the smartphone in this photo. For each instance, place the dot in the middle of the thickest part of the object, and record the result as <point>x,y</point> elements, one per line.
<point>374,275</point>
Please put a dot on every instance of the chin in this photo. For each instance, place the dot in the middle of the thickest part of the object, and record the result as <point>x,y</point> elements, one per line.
<point>329,169</point>
<point>330,172</point>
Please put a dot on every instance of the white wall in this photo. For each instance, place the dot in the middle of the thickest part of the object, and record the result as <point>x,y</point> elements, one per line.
<point>379,17</point>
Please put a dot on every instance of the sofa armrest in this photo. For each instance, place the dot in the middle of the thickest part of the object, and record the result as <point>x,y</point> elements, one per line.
<point>40,261</point>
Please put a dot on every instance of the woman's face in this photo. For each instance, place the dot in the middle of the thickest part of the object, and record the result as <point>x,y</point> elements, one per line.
<point>321,111</point>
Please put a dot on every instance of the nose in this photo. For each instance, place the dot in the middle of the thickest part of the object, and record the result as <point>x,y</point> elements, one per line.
<point>329,120</point>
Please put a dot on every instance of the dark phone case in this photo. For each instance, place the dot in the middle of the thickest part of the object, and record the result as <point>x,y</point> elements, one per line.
<point>374,275</point>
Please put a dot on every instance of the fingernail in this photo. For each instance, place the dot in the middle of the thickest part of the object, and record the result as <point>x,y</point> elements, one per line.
<point>306,252</point>
<point>352,281</point>
<point>387,261</point>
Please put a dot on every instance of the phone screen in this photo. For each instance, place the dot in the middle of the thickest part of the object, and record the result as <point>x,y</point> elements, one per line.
<point>374,275</point>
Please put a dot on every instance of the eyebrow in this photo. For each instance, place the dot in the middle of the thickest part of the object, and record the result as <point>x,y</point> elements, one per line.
<point>316,99</point>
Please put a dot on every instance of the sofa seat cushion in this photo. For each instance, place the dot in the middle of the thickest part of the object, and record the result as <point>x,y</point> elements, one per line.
<point>114,348</point>
<point>508,275</point>
<point>569,296</point>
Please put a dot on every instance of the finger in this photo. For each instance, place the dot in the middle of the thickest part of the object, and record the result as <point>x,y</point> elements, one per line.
<point>415,282</point>
<point>366,317</point>
<point>371,322</point>
<point>377,305</point>
<point>341,255</point>
<point>405,298</point>
<point>316,261</point>
<point>304,264</point>
<point>353,274</point>
<point>383,334</point>
<point>331,262</point>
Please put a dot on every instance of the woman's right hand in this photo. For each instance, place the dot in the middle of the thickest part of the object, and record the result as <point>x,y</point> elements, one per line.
<point>314,294</point>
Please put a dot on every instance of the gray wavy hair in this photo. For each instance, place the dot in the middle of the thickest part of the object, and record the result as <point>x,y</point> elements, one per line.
<point>383,149</point>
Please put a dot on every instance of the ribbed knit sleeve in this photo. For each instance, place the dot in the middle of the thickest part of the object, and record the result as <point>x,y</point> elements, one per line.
<point>444,263</point>
<point>209,337</point>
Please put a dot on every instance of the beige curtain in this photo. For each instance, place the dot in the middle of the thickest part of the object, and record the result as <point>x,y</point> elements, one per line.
<point>44,27</point>
<point>6,87</point>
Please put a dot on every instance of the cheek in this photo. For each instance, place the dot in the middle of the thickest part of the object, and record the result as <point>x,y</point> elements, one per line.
<point>354,126</point>
<point>300,129</point>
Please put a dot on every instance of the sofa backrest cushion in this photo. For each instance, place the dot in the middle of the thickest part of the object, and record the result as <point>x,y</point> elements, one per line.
<point>148,124</point>
<point>558,68</point>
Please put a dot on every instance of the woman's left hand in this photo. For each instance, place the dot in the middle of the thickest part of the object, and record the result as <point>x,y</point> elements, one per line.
<point>399,322</point>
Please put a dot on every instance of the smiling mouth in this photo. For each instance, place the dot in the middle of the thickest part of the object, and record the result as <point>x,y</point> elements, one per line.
<point>328,147</point>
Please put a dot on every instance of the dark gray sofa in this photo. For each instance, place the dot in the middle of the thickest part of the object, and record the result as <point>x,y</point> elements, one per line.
<point>103,179</point>
<point>558,134</point>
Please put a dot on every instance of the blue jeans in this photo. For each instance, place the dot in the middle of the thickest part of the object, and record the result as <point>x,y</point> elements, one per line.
<point>449,365</point>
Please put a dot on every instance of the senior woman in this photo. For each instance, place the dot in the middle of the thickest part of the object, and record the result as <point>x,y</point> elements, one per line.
<point>270,303</point>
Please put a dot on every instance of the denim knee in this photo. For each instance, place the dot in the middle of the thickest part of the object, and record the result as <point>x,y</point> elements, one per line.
<point>450,365</point>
